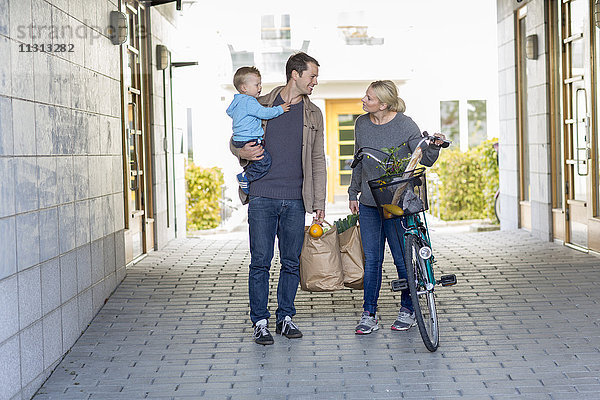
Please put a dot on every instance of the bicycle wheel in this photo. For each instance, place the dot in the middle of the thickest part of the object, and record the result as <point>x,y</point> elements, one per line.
<point>421,293</point>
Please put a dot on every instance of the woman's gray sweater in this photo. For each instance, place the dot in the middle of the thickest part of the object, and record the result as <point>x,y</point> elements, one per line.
<point>400,131</point>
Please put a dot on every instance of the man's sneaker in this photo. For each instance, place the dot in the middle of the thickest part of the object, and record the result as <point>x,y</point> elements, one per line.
<point>368,323</point>
<point>261,333</point>
<point>243,182</point>
<point>405,320</point>
<point>288,329</point>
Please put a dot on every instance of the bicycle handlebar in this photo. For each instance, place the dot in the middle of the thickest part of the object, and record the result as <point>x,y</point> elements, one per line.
<point>359,155</point>
<point>355,162</point>
<point>428,139</point>
<point>445,143</point>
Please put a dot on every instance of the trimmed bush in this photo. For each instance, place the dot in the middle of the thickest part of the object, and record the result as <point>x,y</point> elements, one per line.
<point>469,181</point>
<point>203,195</point>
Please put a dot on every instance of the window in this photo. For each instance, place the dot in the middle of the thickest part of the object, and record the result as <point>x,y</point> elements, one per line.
<point>276,39</point>
<point>276,34</point>
<point>357,35</point>
<point>477,116</point>
<point>346,146</point>
<point>522,113</point>
<point>449,120</point>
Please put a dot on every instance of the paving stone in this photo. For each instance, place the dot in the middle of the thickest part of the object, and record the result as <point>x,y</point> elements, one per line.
<point>521,322</point>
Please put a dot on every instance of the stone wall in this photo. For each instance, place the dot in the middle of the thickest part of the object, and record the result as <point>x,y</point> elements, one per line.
<point>537,119</point>
<point>61,181</point>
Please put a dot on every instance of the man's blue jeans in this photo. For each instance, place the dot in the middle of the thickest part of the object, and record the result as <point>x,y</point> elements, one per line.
<point>374,232</point>
<point>267,219</point>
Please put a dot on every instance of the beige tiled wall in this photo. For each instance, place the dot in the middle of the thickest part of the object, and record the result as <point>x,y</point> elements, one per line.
<point>538,117</point>
<point>508,117</point>
<point>61,190</point>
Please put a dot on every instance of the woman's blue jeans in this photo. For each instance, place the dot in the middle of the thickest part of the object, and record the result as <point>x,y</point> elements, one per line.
<point>374,232</point>
<point>267,219</point>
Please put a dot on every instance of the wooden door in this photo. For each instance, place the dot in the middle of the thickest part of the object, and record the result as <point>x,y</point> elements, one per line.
<point>340,114</point>
<point>139,234</point>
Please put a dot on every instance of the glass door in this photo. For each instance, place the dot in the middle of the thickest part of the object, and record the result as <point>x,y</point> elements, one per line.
<point>522,122</point>
<point>340,115</point>
<point>138,225</point>
<point>556,122</point>
<point>576,120</point>
<point>594,139</point>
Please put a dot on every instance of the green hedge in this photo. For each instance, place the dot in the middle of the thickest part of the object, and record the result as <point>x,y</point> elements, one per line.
<point>469,181</point>
<point>203,195</point>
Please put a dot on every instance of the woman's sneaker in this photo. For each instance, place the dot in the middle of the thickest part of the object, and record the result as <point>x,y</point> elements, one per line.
<point>368,323</point>
<point>261,333</point>
<point>405,320</point>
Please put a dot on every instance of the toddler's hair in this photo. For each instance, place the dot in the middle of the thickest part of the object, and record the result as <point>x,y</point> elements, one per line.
<point>240,76</point>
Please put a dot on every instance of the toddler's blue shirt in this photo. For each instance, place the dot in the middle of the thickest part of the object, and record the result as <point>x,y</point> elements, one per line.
<point>247,115</point>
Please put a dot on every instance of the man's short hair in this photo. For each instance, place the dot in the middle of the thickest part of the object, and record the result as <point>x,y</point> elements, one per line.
<point>240,76</point>
<point>298,62</point>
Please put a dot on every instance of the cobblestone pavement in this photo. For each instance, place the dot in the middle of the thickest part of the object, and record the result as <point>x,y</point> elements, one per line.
<point>522,322</point>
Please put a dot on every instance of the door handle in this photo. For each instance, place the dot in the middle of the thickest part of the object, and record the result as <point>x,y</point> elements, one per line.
<point>581,171</point>
<point>133,186</point>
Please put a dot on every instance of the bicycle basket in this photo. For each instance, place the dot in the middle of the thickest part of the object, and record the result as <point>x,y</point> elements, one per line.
<point>401,194</point>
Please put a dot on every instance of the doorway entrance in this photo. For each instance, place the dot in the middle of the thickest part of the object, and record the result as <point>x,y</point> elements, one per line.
<point>340,114</point>
<point>575,138</point>
<point>522,123</point>
<point>139,224</point>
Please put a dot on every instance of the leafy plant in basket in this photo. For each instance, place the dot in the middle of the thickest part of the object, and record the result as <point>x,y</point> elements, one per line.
<point>393,164</point>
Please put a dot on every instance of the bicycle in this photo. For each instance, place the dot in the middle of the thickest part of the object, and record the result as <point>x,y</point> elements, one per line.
<point>404,197</point>
<point>497,194</point>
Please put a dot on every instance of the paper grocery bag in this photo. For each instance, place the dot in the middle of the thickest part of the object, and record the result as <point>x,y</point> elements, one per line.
<point>320,263</point>
<point>353,257</point>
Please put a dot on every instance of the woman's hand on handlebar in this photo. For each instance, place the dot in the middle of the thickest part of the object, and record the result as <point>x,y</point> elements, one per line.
<point>251,152</point>
<point>353,204</point>
<point>440,141</point>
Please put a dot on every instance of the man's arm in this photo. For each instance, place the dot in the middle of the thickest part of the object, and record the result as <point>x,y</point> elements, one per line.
<point>249,152</point>
<point>319,169</point>
<point>355,181</point>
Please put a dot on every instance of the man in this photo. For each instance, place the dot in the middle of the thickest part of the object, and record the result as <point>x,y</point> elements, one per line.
<point>294,185</point>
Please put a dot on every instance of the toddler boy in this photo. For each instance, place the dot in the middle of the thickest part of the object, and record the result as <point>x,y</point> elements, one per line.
<point>247,115</point>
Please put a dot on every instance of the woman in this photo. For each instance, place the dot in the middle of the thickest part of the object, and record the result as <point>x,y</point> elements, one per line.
<point>384,126</point>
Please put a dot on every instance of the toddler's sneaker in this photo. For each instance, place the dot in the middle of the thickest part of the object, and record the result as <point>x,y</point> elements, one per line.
<point>405,320</point>
<point>368,323</point>
<point>243,182</point>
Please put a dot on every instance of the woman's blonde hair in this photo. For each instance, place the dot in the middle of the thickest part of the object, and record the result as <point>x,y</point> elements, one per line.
<point>387,93</point>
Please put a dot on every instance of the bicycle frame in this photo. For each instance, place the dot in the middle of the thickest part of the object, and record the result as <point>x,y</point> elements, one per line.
<point>413,223</point>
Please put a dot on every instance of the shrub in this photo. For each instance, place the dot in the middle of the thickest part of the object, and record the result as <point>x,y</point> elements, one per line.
<point>469,181</point>
<point>203,195</point>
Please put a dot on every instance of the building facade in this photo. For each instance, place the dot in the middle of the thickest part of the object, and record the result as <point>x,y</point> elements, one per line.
<point>88,168</point>
<point>421,46</point>
<point>549,53</point>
